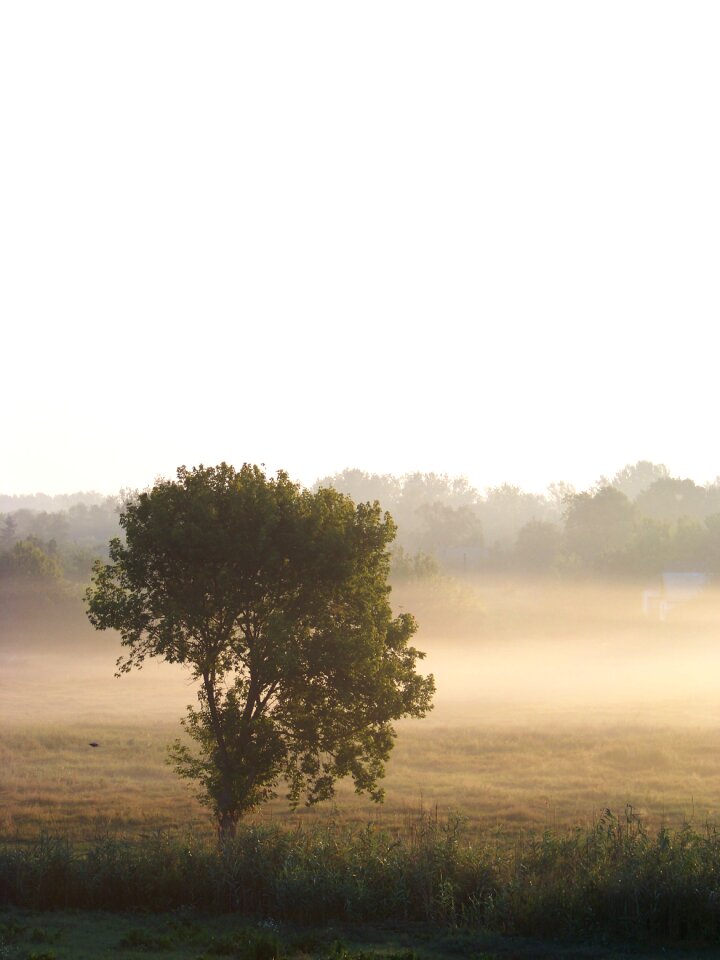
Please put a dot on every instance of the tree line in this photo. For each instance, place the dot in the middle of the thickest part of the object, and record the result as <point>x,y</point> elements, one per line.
<point>70,537</point>
<point>637,523</point>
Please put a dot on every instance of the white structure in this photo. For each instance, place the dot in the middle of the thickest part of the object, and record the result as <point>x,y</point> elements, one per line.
<point>676,588</point>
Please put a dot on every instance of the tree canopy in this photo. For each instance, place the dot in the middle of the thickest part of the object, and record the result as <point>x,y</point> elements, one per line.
<point>276,598</point>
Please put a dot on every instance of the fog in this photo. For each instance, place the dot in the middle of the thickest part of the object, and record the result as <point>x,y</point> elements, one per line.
<point>502,651</point>
<point>521,651</point>
<point>554,701</point>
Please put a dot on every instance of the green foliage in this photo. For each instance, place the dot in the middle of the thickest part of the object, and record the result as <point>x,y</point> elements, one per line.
<point>671,498</point>
<point>612,880</point>
<point>32,586</point>
<point>638,523</point>
<point>506,509</point>
<point>444,526</point>
<point>538,547</point>
<point>276,598</point>
<point>11,932</point>
<point>598,526</point>
<point>8,532</point>
<point>29,563</point>
<point>248,944</point>
<point>438,516</point>
<point>145,940</point>
<point>417,566</point>
<point>433,511</point>
<point>37,935</point>
<point>635,478</point>
<point>649,550</point>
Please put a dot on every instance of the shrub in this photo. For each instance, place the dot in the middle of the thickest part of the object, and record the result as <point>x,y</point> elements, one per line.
<point>612,880</point>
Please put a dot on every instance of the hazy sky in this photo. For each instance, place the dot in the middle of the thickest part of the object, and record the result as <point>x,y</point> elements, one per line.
<point>477,238</point>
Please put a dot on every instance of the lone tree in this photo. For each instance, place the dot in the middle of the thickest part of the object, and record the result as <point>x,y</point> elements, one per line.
<point>276,598</point>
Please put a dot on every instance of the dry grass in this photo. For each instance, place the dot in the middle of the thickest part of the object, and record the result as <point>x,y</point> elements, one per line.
<point>553,703</point>
<point>512,778</point>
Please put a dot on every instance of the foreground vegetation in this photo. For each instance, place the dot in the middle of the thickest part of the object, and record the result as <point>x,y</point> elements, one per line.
<point>189,935</point>
<point>616,880</point>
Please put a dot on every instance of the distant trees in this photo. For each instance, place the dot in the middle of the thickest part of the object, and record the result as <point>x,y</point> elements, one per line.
<point>638,522</point>
<point>671,498</point>
<point>648,552</point>
<point>443,527</point>
<point>365,487</point>
<point>537,547</point>
<point>79,532</point>
<point>8,532</point>
<point>415,566</point>
<point>598,527</point>
<point>33,589</point>
<point>31,562</point>
<point>504,511</point>
<point>634,478</point>
<point>42,502</point>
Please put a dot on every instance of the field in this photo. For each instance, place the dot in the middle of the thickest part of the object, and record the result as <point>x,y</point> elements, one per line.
<point>569,728</point>
<point>553,704</point>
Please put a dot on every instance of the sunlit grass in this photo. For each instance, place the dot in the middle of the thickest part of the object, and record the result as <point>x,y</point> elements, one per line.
<point>553,703</point>
<point>517,778</point>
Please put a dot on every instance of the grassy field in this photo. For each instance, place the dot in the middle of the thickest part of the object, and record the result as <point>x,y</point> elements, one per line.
<point>499,777</point>
<point>553,704</point>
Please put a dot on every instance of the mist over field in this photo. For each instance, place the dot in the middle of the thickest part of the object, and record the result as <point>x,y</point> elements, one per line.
<point>501,650</point>
<point>570,677</point>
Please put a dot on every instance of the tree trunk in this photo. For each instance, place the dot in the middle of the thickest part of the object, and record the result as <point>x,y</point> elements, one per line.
<point>227,825</point>
<point>229,806</point>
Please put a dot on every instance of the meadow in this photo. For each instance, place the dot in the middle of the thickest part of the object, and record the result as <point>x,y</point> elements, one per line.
<point>553,704</point>
<point>566,721</point>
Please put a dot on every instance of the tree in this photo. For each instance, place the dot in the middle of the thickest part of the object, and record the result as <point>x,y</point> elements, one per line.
<point>538,546</point>
<point>31,586</point>
<point>412,566</point>
<point>8,531</point>
<point>276,598</point>
<point>444,526</point>
<point>506,509</point>
<point>364,487</point>
<point>649,550</point>
<point>598,527</point>
<point>32,563</point>
<point>635,478</point>
<point>671,498</point>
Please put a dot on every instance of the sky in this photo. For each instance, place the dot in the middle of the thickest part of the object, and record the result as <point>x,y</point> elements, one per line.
<point>475,238</point>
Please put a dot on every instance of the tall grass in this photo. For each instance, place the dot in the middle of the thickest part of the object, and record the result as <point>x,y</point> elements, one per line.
<point>613,880</point>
